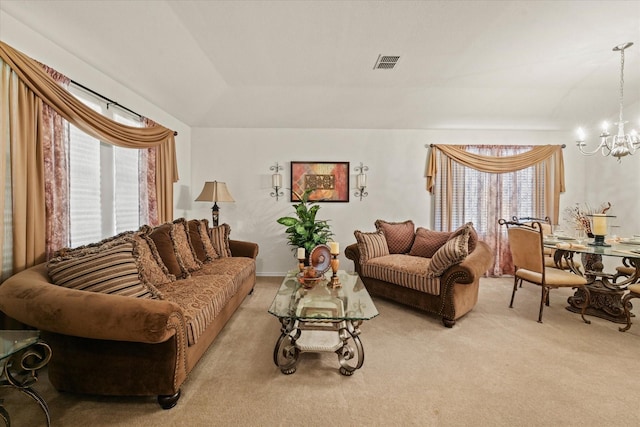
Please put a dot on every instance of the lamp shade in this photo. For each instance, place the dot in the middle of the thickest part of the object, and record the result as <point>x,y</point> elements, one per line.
<point>214,191</point>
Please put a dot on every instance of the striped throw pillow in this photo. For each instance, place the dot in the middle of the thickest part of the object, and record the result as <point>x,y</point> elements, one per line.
<point>371,245</point>
<point>473,235</point>
<point>453,252</point>
<point>220,239</point>
<point>110,271</point>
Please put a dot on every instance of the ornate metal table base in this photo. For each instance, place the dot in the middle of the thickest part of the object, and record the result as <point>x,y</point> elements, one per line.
<point>605,294</point>
<point>342,337</point>
<point>20,371</point>
<point>605,291</point>
<point>604,303</point>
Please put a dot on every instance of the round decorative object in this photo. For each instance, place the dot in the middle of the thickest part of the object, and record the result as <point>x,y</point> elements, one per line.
<point>320,258</point>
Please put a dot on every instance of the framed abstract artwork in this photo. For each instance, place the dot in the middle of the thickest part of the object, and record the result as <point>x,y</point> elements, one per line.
<point>329,181</point>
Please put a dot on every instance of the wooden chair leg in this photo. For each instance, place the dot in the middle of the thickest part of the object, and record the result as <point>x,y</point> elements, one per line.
<point>627,312</point>
<point>515,287</point>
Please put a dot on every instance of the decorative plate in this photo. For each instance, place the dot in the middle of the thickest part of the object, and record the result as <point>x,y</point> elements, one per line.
<point>320,258</point>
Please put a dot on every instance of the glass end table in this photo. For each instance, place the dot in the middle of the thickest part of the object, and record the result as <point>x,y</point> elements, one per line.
<point>321,319</point>
<point>22,354</point>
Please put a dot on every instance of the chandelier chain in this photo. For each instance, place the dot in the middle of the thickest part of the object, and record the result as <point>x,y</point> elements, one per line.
<point>621,82</point>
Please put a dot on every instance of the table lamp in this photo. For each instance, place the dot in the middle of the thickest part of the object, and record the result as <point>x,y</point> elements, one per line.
<point>214,191</point>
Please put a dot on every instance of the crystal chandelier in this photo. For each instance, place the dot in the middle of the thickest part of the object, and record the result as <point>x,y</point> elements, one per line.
<point>623,143</point>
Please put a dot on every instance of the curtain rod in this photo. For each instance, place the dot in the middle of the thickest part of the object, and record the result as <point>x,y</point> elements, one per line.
<point>432,145</point>
<point>110,101</point>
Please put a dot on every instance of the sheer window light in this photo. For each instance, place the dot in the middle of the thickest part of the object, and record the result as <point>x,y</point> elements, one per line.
<point>104,183</point>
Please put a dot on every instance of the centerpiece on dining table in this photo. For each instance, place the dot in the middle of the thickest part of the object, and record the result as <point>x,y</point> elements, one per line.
<point>590,221</point>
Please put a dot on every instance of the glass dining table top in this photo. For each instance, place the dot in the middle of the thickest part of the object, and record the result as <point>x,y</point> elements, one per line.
<point>629,248</point>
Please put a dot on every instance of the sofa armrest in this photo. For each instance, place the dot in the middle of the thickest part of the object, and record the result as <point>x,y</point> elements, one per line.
<point>243,249</point>
<point>353,253</point>
<point>472,267</point>
<point>30,298</point>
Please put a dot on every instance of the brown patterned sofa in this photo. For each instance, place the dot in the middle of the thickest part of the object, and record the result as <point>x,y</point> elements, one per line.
<point>438,272</point>
<point>133,314</point>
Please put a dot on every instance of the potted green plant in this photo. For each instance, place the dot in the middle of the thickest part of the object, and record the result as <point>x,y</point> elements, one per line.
<point>305,231</point>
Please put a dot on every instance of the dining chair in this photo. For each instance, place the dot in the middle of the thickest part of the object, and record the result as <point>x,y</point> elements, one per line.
<point>634,292</point>
<point>549,253</point>
<point>527,252</point>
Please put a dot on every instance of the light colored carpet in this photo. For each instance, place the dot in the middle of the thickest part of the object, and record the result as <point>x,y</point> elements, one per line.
<point>497,366</point>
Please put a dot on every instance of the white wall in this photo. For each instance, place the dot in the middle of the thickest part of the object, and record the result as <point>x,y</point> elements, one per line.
<point>396,160</point>
<point>41,49</point>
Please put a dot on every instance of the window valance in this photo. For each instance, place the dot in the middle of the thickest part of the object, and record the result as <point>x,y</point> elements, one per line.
<point>550,156</point>
<point>492,164</point>
<point>31,74</point>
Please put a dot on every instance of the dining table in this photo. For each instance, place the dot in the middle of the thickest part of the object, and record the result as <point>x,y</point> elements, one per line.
<point>606,289</point>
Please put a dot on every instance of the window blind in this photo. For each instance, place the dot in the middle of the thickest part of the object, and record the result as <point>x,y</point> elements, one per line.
<point>104,184</point>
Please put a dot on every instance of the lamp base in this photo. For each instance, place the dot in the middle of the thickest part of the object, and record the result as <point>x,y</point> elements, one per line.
<point>598,241</point>
<point>215,214</point>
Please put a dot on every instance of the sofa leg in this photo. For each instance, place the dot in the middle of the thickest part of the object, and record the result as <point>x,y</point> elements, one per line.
<point>448,322</point>
<point>168,401</point>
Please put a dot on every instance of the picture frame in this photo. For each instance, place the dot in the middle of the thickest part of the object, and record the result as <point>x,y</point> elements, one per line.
<point>330,181</point>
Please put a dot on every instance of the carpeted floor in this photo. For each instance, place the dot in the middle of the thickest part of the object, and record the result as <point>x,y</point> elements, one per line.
<point>496,367</point>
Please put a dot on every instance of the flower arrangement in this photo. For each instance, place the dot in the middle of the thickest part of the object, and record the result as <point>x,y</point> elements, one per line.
<point>579,215</point>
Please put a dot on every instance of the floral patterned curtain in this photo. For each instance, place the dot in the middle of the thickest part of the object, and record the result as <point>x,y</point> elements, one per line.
<point>462,194</point>
<point>147,175</point>
<point>55,141</point>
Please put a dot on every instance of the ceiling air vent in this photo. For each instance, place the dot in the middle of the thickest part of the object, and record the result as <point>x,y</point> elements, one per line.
<point>386,62</point>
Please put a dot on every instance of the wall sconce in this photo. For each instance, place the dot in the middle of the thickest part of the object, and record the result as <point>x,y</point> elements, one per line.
<point>276,181</point>
<point>361,181</point>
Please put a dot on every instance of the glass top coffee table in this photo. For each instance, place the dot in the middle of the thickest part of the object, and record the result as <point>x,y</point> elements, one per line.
<point>22,354</point>
<point>321,319</point>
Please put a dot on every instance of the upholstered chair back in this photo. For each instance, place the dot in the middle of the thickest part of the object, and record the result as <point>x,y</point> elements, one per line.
<point>526,247</point>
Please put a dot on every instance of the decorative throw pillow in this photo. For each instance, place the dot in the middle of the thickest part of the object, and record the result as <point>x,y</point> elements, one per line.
<point>371,245</point>
<point>427,242</point>
<point>399,235</point>
<point>150,264</point>
<point>473,235</point>
<point>161,236</point>
<point>111,269</point>
<point>200,240</point>
<point>183,246</point>
<point>454,251</point>
<point>220,239</point>
<point>82,249</point>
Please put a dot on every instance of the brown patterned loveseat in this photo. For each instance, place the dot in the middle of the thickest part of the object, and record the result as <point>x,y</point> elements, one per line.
<point>438,272</point>
<point>133,314</point>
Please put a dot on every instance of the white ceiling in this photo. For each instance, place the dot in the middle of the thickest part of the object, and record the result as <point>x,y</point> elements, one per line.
<point>544,65</point>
